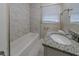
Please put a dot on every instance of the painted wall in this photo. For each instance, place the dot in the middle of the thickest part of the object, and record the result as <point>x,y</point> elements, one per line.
<point>19,20</point>
<point>4,20</point>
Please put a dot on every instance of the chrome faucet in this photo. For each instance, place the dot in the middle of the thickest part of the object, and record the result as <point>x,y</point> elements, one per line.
<point>75,36</point>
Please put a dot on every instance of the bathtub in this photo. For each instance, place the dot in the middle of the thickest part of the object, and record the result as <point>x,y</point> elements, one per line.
<point>27,45</point>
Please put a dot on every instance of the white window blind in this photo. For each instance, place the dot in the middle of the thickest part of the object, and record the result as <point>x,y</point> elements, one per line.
<point>74,18</point>
<point>50,14</point>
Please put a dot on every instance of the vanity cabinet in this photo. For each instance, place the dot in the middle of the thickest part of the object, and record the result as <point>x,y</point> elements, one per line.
<point>50,51</point>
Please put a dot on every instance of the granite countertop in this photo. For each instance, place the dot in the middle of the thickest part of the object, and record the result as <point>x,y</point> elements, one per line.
<point>73,48</point>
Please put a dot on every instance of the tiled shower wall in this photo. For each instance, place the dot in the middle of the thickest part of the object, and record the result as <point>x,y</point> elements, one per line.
<point>35,17</point>
<point>19,20</point>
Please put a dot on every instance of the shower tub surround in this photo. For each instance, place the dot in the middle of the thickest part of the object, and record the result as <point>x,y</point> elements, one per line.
<point>27,45</point>
<point>71,49</point>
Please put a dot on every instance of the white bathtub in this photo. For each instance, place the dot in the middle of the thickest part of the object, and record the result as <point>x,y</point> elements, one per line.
<point>28,45</point>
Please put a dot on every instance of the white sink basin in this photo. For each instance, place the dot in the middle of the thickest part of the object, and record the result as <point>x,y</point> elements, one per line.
<point>61,39</point>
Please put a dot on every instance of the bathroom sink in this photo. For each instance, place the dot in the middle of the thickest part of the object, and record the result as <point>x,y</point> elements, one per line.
<point>61,39</point>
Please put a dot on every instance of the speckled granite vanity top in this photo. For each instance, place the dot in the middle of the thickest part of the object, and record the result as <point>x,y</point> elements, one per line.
<point>73,48</point>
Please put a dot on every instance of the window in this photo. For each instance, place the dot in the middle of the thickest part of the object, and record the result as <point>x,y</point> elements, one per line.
<point>74,18</point>
<point>50,14</point>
